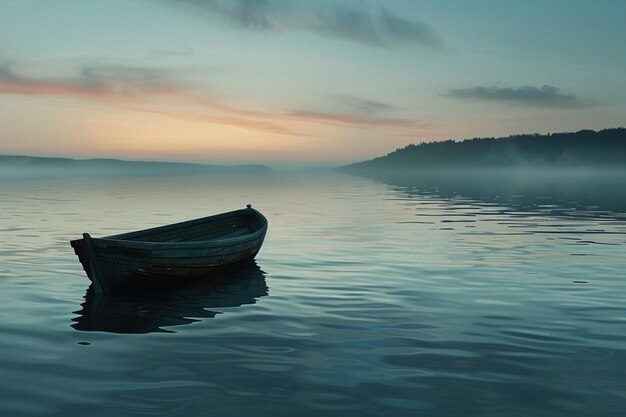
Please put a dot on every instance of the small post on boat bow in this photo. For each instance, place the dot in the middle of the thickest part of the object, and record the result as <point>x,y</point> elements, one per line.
<point>249,206</point>
<point>96,275</point>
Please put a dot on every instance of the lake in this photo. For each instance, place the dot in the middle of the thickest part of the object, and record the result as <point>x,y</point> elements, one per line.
<point>369,298</point>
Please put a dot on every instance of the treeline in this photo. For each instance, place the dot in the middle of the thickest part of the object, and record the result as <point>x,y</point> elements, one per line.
<point>584,149</point>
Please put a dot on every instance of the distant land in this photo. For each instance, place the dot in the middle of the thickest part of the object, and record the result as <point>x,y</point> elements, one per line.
<point>604,149</point>
<point>585,170</point>
<point>29,166</point>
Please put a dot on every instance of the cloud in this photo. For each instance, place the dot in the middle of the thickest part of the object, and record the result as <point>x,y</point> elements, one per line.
<point>547,96</point>
<point>247,123</point>
<point>349,110</point>
<point>135,89</point>
<point>95,83</point>
<point>360,106</point>
<point>361,22</point>
<point>154,91</point>
<point>167,53</point>
<point>355,121</point>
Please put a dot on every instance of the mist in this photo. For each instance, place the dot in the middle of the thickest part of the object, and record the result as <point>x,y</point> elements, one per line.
<point>598,188</point>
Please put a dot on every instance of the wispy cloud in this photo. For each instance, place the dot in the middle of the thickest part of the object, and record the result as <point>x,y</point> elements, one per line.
<point>95,83</point>
<point>360,105</point>
<point>227,119</point>
<point>547,96</point>
<point>174,52</point>
<point>363,22</point>
<point>135,89</point>
<point>356,111</point>
<point>154,91</point>
<point>355,120</point>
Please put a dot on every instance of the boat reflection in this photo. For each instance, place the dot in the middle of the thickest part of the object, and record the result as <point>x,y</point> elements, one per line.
<point>153,311</point>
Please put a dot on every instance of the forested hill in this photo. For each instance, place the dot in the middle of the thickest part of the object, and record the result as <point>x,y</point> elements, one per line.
<point>583,149</point>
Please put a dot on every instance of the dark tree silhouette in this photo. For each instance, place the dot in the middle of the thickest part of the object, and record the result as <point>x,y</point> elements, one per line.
<point>583,149</point>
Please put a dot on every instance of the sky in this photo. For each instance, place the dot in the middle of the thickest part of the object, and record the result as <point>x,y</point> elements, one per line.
<point>300,83</point>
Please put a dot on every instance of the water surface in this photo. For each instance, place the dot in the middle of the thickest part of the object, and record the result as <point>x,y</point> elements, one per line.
<point>367,299</point>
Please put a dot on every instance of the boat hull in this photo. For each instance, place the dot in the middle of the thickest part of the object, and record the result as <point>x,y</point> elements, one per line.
<point>121,264</point>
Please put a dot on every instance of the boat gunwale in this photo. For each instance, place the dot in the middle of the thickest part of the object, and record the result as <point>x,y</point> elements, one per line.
<point>122,240</point>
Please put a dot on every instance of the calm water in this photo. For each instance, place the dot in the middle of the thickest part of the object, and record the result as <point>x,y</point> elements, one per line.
<point>368,299</point>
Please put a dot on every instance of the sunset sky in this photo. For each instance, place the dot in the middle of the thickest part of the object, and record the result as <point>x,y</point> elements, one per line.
<point>288,82</point>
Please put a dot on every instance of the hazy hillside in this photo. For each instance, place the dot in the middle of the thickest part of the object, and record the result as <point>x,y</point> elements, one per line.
<point>29,166</point>
<point>583,149</point>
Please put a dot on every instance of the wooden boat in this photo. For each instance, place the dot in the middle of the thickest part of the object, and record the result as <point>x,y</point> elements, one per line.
<point>172,254</point>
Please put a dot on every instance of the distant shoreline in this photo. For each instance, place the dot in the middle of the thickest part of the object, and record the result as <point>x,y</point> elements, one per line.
<point>19,165</point>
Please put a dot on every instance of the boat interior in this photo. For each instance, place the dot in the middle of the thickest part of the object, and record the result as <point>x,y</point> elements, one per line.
<point>225,226</point>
